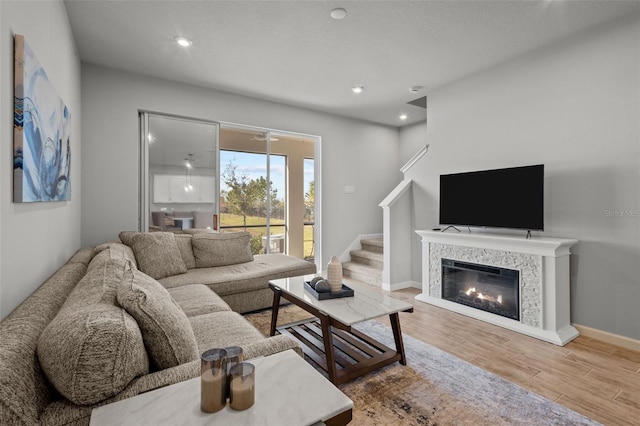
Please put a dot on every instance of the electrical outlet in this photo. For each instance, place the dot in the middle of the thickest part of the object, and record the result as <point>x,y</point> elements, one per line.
<point>349,189</point>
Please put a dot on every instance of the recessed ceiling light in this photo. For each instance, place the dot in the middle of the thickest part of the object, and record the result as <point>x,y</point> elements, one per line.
<point>183,41</point>
<point>415,89</point>
<point>338,13</point>
<point>357,89</point>
<point>403,117</point>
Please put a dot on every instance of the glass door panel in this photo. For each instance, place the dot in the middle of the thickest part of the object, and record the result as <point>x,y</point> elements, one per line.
<point>278,205</point>
<point>244,176</point>
<point>253,188</point>
<point>180,159</point>
<point>309,208</point>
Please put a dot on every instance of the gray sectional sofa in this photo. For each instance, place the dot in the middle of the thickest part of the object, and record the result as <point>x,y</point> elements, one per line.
<point>121,319</point>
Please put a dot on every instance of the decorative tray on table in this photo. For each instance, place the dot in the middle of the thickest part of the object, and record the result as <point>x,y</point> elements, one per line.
<point>344,292</point>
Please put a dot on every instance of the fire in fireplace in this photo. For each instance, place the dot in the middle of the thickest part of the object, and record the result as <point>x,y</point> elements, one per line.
<point>489,288</point>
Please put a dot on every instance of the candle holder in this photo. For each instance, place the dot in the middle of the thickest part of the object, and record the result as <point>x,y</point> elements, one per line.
<point>235,355</point>
<point>213,380</point>
<point>242,395</point>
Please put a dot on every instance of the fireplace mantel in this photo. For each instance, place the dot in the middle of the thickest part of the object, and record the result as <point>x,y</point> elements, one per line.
<point>544,285</point>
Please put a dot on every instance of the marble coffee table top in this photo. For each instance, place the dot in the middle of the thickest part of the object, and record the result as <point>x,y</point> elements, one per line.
<point>288,392</point>
<point>364,305</point>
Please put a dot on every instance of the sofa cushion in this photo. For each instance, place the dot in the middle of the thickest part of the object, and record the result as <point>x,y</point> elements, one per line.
<point>166,331</point>
<point>186,250</point>
<point>83,256</point>
<point>24,389</point>
<point>231,329</point>
<point>220,249</point>
<point>118,248</point>
<point>93,349</point>
<point>157,254</point>
<point>243,277</point>
<point>198,299</point>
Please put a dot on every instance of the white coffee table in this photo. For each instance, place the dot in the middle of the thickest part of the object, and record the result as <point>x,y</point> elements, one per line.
<point>288,392</point>
<point>329,340</point>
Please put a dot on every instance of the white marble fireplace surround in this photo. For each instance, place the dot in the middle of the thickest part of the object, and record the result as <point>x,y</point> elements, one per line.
<point>543,264</point>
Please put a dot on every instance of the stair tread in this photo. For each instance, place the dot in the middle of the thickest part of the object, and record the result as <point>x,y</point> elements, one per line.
<point>378,242</point>
<point>367,254</point>
<point>374,279</point>
<point>361,268</point>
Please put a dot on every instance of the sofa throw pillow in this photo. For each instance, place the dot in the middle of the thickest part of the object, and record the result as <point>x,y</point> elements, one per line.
<point>221,249</point>
<point>157,254</point>
<point>166,330</point>
<point>183,240</point>
<point>186,250</point>
<point>93,349</point>
<point>127,237</point>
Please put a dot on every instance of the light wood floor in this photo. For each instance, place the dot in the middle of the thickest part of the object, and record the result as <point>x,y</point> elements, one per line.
<point>597,379</point>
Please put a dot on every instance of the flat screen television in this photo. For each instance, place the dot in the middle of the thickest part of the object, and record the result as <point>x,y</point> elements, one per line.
<point>500,198</point>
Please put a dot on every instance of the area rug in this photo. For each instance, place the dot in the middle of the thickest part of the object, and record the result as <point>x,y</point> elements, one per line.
<point>435,388</point>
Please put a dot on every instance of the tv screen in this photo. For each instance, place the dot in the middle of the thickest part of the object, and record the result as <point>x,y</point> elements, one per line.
<point>500,198</point>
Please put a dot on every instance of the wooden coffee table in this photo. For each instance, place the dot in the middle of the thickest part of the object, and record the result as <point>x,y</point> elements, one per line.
<point>329,339</point>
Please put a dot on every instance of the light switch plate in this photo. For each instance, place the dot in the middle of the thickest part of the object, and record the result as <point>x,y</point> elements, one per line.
<point>349,189</point>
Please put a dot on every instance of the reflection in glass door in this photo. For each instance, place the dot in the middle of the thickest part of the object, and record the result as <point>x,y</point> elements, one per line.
<point>179,167</point>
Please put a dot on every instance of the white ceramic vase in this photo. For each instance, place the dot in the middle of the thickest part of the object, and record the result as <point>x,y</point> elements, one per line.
<point>334,274</point>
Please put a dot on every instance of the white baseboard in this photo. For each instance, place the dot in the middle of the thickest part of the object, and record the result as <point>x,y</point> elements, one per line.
<point>605,336</point>
<point>401,285</point>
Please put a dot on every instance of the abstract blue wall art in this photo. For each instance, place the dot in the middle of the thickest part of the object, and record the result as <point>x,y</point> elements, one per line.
<point>41,133</point>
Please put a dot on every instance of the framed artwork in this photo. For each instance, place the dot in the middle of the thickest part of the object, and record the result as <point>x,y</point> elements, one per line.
<point>41,133</point>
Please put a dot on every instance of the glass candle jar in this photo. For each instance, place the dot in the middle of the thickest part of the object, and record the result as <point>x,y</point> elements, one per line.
<point>242,395</point>
<point>235,355</point>
<point>213,380</point>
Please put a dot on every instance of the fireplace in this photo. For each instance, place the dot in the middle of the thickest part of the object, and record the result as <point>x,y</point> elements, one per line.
<point>542,298</point>
<point>488,288</point>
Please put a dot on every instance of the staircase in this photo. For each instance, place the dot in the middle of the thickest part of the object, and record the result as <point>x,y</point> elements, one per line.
<point>367,263</point>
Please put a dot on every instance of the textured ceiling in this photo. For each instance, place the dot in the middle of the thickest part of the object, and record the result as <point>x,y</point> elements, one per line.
<point>293,51</point>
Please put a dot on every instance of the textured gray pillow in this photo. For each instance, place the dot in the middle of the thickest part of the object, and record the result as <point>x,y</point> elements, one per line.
<point>157,254</point>
<point>127,237</point>
<point>183,240</point>
<point>93,349</point>
<point>186,250</point>
<point>166,330</point>
<point>221,249</point>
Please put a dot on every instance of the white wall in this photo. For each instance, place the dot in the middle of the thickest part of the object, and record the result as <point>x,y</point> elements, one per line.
<point>413,138</point>
<point>37,238</point>
<point>573,106</point>
<point>355,153</point>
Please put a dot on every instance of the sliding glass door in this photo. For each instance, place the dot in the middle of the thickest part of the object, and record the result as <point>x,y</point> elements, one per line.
<point>253,188</point>
<point>202,174</point>
<point>179,164</point>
